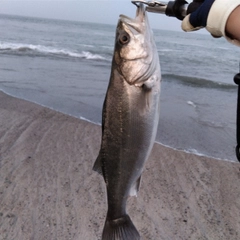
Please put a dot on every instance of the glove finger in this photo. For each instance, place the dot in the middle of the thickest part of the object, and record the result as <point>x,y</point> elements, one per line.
<point>186,25</point>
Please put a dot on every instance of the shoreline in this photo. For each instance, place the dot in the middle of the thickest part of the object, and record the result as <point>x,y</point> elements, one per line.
<point>49,191</point>
<point>194,151</point>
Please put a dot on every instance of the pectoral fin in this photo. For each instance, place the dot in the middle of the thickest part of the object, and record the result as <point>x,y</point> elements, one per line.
<point>135,187</point>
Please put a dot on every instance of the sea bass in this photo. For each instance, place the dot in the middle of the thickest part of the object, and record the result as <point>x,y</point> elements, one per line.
<point>129,120</point>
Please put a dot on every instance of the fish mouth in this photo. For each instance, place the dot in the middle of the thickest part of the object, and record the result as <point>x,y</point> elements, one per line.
<point>134,22</point>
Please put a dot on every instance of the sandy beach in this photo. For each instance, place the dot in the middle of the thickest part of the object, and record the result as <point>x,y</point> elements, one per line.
<point>48,190</point>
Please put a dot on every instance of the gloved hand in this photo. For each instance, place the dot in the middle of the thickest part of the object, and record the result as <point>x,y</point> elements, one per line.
<point>213,15</point>
<point>198,18</point>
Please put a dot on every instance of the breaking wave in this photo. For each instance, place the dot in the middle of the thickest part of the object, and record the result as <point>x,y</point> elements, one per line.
<point>35,50</point>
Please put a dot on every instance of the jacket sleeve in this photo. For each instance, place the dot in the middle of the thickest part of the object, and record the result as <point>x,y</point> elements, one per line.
<point>218,16</point>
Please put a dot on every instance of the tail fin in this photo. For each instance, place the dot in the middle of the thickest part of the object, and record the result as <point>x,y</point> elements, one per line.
<point>120,229</point>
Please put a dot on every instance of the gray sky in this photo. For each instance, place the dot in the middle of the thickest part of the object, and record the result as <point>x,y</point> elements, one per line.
<point>102,11</point>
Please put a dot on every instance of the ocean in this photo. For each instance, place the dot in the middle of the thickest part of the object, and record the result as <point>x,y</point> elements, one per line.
<point>65,65</point>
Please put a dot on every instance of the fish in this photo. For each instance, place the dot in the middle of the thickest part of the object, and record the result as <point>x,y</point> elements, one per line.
<point>129,120</point>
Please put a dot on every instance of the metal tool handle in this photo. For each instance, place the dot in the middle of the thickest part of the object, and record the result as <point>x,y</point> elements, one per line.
<point>177,8</point>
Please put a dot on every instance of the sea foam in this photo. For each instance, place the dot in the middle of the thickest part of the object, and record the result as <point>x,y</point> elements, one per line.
<point>20,48</point>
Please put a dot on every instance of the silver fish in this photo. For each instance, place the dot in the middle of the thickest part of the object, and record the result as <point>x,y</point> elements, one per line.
<point>129,120</point>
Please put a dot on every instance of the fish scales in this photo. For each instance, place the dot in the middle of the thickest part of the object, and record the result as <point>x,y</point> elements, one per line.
<point>129,120</point>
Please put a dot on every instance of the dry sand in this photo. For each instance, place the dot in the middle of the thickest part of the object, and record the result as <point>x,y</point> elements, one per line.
<point>48,190</point>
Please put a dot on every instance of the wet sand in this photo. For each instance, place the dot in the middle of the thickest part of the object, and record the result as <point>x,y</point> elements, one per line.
<point>48,190</point>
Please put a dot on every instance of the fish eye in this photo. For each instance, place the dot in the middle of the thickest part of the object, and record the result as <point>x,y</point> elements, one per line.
<point>124,38</point>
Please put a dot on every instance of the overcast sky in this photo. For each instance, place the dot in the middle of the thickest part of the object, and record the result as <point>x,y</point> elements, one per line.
<point>102,11</point>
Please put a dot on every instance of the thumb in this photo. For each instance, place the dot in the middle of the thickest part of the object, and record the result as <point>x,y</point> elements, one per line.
<point>187,26</point>
<point>198,18</point>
